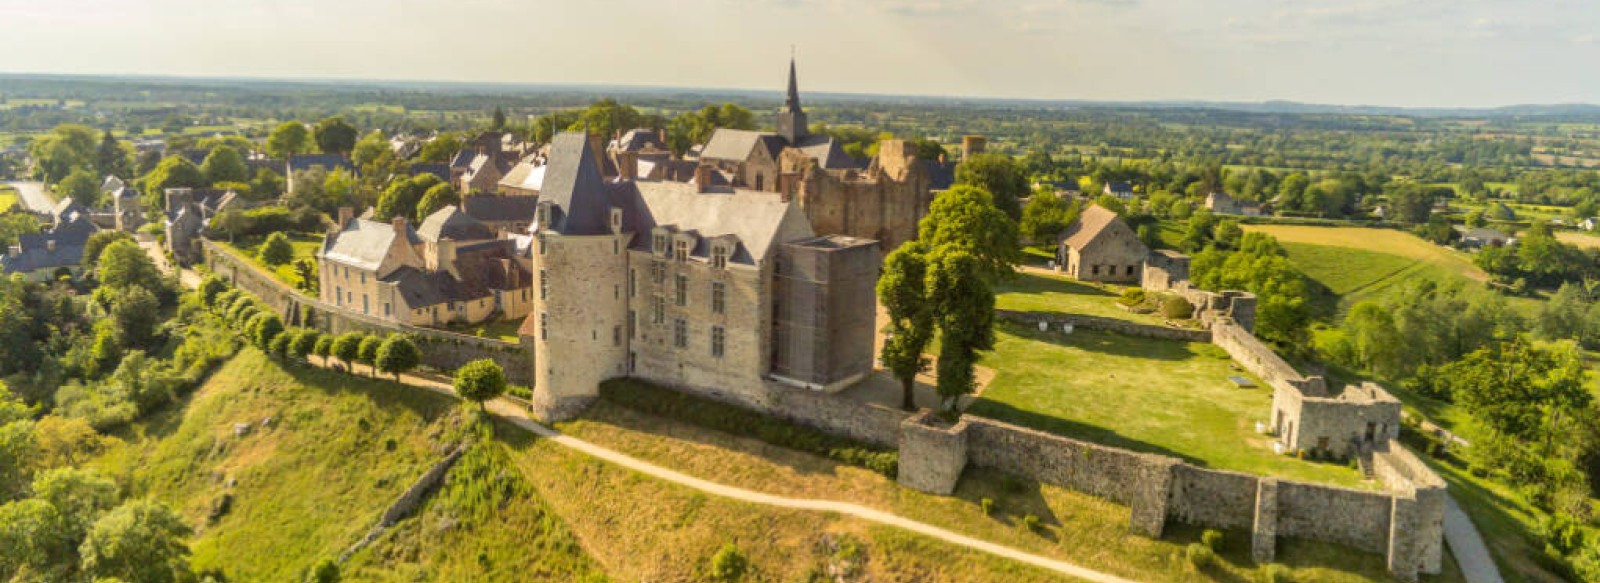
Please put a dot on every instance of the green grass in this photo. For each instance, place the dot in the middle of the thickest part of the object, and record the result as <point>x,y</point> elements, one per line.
<point>1158,396</point>
<point>1035,292</point>
<point>8,198</point>
<point>305,247</point>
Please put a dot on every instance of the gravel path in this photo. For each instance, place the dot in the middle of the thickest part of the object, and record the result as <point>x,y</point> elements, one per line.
<point>1467,546</point>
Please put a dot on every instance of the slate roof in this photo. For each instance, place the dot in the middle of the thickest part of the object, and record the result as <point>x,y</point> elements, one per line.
<point>736,145</point>
<point>525,175</point>
<point>758,220</point>
<point>668,169</point>
<point>438,169</point>
<point>493,209</point>
<point>111,184</point>
<point>572,183</point>
<point>827,152</point>
<point>451,223</point>
<point>636,140</point>
<point>363,243</point>
<point>484,268</point>
<point>1093,222</point>
<point>940,176</point>
<point>35,251</point>
<point>66,209</point>
<point>326,161</point>
<point>463,158</point>
<point>1119,186</point>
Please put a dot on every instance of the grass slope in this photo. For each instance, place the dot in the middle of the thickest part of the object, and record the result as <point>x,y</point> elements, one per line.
<point>1158,396</point>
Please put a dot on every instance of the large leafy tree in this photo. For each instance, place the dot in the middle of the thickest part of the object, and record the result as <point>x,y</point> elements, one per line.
<point>400,199</point>
<point>139,542</point>
<point>960,293</point>
<point>1004,179</point>
<point>334,135</point>
<point>347,348</point>
<point>109,157</point>
<point>276,250</point>
<point>224,164</point>
<point>172,172</point>
<point>965,217</point>
<point>1046,216</point>
<point>398,355</point>
<point>82,187</point>
<point>437,197</point>
<point>289,138</point>
<point>63,149</point>
<point>123,264</point>
<point>902,291</point>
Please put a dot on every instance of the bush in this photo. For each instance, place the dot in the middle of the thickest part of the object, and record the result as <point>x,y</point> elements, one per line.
<point>326,571</point>
<point>304,343</point>
<point>1176,308</point>
<point>519,392</point>
<point>1212,539</point>
<point>276,250</point>
<point>1031,522</point>
<point>1132,297</point>
<point>1199,555</point>
<point>347,347</point>
<point>278,347</point>
<point>479,381</point>
<point>324,346</point>
<point>728,564</point>
<point>1276,573</point>
<point>369,349</point>
<point>730,419</point>
<point>988,506</point>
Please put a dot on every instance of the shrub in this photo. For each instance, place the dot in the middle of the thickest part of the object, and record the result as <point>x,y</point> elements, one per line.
<point>210,289</point>
<point>304,343</point>
<point>276,250</point>
<point>1131,297</point>
<point>728,564</point>
<point>279,345</point>
<point>519,391</point>
<point>324,346</point>
<point>397,355</point>
<point>1212,539</point>
<point>264,328</point>
<point>1031,522</point>
<point>988,506</point>
<point>347,347</point>
<point>369,349</point>
<point>326,571</point>
<point>1199,555</point>
<point>730,419</point>
<point>480,381</point>
<point>1276,573</point>
<point>1176,308</point>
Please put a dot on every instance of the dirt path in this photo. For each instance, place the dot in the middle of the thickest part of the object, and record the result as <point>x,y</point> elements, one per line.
<point>1467,546</point>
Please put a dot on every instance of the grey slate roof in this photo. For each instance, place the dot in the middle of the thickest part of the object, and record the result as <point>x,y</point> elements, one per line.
<point>759,220</point>
<point>363,244</point>
<point>36,251</point>
<point>451,223</point>
<point>827,152</point>
<point>438,169</point>
<point>736,145</point>
<point>494,209</point>
<point>940,176</point>
<point>463,158</point>
<point>572,183</point>
<point>525,175</point>
<point>636,139</point>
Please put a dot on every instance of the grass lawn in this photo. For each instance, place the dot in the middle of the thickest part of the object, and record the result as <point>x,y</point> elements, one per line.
<point>1579,238</point>
<point>305,247</point>
<point>8,198</point>
<point>1158,396</point>
<point>1038,292</point>
<point>1075,527</point>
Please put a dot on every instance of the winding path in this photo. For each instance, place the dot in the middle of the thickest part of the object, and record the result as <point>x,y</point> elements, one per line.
<point>1467,546</point>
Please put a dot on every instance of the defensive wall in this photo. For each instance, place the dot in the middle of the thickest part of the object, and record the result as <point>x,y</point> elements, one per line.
<point>1123,327</point>
<point>441,350</point>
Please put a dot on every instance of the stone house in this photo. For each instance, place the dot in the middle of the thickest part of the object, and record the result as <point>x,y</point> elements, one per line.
<point>451,270</point>
<point>1223,203</point>
<point>1343,424</point>
<point>41,257</point>
<point>481,165</point>
<point>1099,246</point>
<point>1121,190</point>
<point>188,211</point>
<point>718,288</point>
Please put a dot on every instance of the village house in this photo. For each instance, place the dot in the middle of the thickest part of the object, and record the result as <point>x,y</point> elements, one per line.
<point>1099,246</point>
<point>188,211</point>
<point>714,287</point>
<point>48,256</point>
<point>1120,190</point>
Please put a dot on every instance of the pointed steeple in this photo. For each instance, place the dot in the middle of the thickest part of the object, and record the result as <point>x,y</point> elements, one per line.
<point>791,118</point>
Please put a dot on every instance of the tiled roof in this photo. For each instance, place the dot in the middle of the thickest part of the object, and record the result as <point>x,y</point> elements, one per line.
<point>451,223</point>
<point>1094,221</point>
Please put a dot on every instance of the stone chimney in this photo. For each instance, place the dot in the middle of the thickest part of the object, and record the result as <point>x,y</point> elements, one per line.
<point>702,177</point>
<point>627,165</point>
<point>14,250</point>
<point>50,244</point>
<point>971,146</point>
<point>941,157</point>
<point>445,257</point>
<point>345,214</point>
<point>399,226</point>
<point>787,181</point>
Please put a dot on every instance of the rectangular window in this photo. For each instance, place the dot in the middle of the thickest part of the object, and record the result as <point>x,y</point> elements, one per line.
<point>658,272</point>
<point>386,309</point>
<point>718,299</point>
<point>633,324</point>
<point>718,336</point>
<point>544,285</point>
<point>659,244</point>
<point>681,289</point>
<point>616,336</point>
<point>680,333</point>
<point>633,283</point>
<point>363,278</point>
<point>719,258</point>
<point>366,307</point>
<point>338,296</point>
<point>658,310</point>
<point>544,326</point>
<point>682,253</point>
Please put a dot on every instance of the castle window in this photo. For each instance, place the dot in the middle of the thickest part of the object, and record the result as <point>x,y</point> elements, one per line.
<point>717,339</point>
<point>658,272</point>
<point>718,297</point>
<point>633,325</point>
<point>544,285</point>
<point>1130,270</point>
<point>616,220</point>
<point>633,283</point>
<point>719,257</point>
<point>616,246</point>
<point>659,244</point>
<point>680,333</point>
<point>658,310</point>
<point>616,336</point>
<point>682,253</point>
<point>1095,269</point>
<point>544,326</point>
<point>681,289</point>
<point>386,310</point>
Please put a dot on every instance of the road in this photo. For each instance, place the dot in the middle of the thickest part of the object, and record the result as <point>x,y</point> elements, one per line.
<point>33,195</point>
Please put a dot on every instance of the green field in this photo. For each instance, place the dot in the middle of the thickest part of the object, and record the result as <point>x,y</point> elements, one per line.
<point>1032,291</point>
<point>8,198</point>
<point>1158,396</point>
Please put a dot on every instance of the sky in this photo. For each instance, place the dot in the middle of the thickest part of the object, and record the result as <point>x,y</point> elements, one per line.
<point>1414,53</point>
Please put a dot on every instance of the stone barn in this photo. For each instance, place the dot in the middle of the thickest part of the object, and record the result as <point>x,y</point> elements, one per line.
<point>1099,246</point>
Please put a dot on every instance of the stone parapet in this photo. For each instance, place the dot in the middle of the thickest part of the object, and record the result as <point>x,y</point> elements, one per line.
<point>932,453</point>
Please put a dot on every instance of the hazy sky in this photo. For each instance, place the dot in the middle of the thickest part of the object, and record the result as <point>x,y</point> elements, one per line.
<point>1384,52</point>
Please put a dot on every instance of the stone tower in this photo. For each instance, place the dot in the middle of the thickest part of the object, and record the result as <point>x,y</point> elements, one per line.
<point>791,119</point>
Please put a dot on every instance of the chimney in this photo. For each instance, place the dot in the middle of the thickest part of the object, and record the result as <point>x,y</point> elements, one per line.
<point>702,177</point>
<point>941,157</point>
<point>399,225</point>
<point>14,250</point>
<point>786,185</point>
<point>628,165</point>
<point>50,244</point>
<point>345,214</point>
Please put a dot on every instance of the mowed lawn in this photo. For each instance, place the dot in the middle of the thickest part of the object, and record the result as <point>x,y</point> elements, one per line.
<point>1032,291</point>
<point>305,247</point>
<point>1158,396</point>
<point>8,198</point>
<point>1386,241</point>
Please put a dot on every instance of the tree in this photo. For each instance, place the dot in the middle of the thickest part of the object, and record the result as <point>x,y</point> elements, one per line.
<point>109,157</point>
<point>135,313</point>
<point>63,149</point>
<point>324,347</point>
<point>499,121</point>
<point>33,536</point>
<point>264,328</point>
<point>965,217</point>
<point>369,351</point>
<point>266,185</point>
<point>210,288</point>
<point>82,187</point>
<point>398,355</point>
<point>1046,216</point>
<point>999,175</point>
<point>334,135</point>
<point>80,496</point>
<point>441,148</point>
<point>437,197</point>
<point>958,288</point>
<point>400,199</point>
<point>1413,203</point>
<point>347,348</point>
<point>305,342</point>
<point>97,244</point>
<point>902,291</point>
<point>172,172</point>
<point>224,164</point>
<point>123,264</point>
<point>138,542</point>
<point>480,381</point>
<point>277,250</point>
<point>288,139</point>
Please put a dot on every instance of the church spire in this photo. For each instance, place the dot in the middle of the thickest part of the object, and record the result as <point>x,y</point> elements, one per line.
<point>791,118</point>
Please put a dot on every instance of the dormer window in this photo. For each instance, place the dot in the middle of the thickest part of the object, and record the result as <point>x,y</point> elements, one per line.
<point>682,251</point>
<point>616,220</point>
<point>658,243</point>
<point>719,256</point>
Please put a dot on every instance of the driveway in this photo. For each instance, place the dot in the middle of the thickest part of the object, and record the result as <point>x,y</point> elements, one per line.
<point>33,195</point>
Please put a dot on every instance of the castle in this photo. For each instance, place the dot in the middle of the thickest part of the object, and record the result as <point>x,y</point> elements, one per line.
<point>687,284</point>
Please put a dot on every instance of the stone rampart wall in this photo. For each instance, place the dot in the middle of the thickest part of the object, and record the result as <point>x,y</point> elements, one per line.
<point>1212,498</point>
<point>1354,518</point>
<point>445,351</point>
<point>1254,356</point>
<point>1113,325</point>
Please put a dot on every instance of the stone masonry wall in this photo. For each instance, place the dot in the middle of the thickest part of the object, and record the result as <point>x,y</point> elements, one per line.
<point>1212,498</point>
<point>445,351</point>
<point>937,453</point>
<point>1113,325</point>
<point>1354,518</point>
<point>1259,358</point>
<point>1400,469</point>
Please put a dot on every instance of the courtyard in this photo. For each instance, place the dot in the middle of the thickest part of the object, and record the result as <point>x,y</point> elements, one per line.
<point>1158,396</point>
